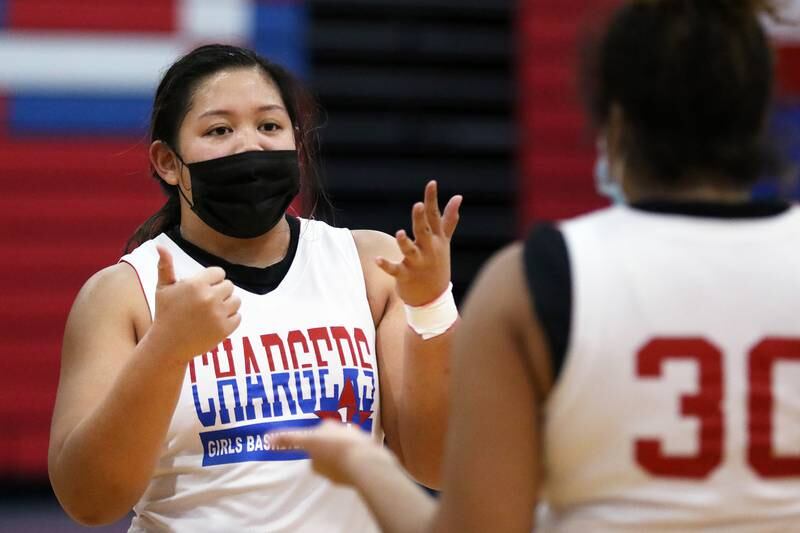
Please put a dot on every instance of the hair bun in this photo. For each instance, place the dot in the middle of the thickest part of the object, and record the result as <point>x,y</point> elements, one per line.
<point>749,8</point>
<point>775,10</point>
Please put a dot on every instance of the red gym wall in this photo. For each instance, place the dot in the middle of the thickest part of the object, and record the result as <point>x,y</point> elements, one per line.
<point>556,154</point>
<point>65,212</point>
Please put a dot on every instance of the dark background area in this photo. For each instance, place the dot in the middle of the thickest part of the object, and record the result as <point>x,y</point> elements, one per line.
<point>418,90</point>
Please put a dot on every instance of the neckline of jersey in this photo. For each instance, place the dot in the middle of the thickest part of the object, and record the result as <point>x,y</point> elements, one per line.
<point>252,279</point>
<point>744,210</point>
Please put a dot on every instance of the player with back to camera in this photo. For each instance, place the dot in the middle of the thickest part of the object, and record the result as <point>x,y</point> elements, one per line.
<point>635,369</point>
<point>230,318</point>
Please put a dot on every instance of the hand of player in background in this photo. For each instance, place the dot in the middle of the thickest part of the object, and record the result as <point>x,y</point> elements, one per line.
<point>424,273</point>
<point>195,314</point>
<point>337,451</point>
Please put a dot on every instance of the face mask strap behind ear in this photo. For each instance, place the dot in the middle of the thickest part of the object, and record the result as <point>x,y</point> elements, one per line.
<point>183,164</point>
<point>606,184</point>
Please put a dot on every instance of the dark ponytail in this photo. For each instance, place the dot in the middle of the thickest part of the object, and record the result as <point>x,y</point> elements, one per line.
<point>694,80</point>
<point>173,99</point>
<point>167,217</point>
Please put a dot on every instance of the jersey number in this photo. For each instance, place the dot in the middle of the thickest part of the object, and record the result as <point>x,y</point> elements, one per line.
<point>706,406</point>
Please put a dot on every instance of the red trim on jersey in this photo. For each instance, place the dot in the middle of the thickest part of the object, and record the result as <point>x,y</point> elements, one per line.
<point>145,16</point>
<point>140,286</point>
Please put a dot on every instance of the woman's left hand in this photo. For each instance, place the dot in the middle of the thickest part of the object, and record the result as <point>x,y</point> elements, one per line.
<point>424,273</point>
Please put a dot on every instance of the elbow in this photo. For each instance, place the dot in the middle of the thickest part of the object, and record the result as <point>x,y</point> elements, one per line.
<point>430,480</point>
<point>423,459</point>
<point>91,512</point>
<point>88,505</point>
<point>92,518</point>
<point>426,471</point>
<point>424,468</point>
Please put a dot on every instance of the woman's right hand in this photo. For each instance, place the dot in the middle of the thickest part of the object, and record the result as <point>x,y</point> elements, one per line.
<point>337,451</point>
<point>195,314</point>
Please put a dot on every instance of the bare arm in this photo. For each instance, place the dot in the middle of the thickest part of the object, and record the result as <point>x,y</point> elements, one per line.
<point>116,397</point>
<point>414,373</point>
<point>501,373</point>
<point>349,457</point>
<point>415,379</point>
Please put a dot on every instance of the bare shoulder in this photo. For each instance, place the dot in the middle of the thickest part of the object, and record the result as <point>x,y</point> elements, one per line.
<point>113,292</point>
<point>502,300</point>
<point>500,290</point>
<point>109,284</point>
<point>106,320</point>
<point>371,244</point>
<point>380,285</point>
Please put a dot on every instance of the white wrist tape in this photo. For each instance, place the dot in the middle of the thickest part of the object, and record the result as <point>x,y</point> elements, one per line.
<point>433,319</point>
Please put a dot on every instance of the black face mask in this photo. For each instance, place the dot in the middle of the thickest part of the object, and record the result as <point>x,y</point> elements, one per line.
<point>244,195</point>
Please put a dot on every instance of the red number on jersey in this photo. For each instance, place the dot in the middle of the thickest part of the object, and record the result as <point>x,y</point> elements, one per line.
<point>760,452</point>
<point>705,405</point>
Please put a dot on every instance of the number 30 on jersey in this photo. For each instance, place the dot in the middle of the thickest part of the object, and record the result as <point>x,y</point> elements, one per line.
<point>706,406</point>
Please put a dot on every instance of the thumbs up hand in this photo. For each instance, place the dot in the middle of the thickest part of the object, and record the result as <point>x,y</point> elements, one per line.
<point>195,314</point>
<point>166,271</point>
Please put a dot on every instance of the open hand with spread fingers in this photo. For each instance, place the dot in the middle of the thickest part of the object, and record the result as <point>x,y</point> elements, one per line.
<point>424,272</point>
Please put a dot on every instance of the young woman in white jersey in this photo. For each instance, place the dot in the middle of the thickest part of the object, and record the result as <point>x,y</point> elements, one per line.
<point>636,368</point>
<point>230,319</point>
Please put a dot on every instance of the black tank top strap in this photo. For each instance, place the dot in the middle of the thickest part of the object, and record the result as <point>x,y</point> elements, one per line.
<point>547,271</point>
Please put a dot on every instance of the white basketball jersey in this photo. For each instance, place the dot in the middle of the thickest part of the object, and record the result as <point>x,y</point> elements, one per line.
<point>678,406</point>
<point>303,352</point>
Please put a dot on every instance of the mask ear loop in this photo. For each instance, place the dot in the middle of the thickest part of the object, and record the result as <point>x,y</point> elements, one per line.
<point>183,164</point>
<point>298,146</point>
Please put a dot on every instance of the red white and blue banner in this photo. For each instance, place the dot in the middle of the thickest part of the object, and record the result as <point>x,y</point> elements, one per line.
<point>71,67</point>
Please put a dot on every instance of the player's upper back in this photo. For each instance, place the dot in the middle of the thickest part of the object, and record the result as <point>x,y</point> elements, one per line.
<point>677,404</point>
